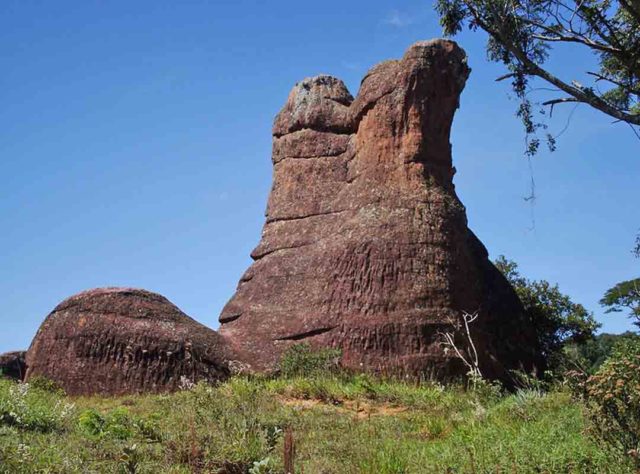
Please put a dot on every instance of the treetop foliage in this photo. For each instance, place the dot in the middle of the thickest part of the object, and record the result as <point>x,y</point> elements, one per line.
<point>624,296</point>
<point>557,319</point>
<point>522,34</point>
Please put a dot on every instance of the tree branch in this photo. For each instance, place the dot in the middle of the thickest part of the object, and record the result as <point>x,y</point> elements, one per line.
<point>574,38</point>
<point>560,101</point>
<point>553,102</point>
<point>533,69</point>
<point>632,8</point>
<point>506,76</point>
<point>577,39</point>
<point>626,87</point>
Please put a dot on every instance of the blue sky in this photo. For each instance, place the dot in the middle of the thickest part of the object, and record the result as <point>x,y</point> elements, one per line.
<point>135,149</point>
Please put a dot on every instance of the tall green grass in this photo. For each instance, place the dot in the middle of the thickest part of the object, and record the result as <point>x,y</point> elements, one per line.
<point>341,424</point>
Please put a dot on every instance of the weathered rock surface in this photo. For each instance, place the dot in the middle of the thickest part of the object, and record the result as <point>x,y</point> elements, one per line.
<point>124,340</point>
<point>12,365</point>
<point>365,248</point>
<point>366,245</point>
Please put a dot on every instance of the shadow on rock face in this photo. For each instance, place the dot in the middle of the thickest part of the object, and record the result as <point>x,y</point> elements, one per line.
<point>13,365</point>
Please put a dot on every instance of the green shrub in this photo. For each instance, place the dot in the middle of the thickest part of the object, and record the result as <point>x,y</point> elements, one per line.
<point>264,466</point>
<point>116,424</point>
<point>46,385</point>
<point>302,360</point>
<point>91,422</point>
<point>591,354</point>
<point>614,398</point>
<point>26,407</point>
<point>130,459</point>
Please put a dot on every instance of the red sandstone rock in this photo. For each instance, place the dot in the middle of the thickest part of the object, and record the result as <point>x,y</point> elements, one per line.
<point>366,246</point>
<point>12,365</point>
<point>123,340</point>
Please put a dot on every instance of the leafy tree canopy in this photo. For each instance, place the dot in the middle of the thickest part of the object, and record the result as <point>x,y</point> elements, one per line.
<point>624,296</point>
<point>522,34</point>
<point>557,319</point>
<point>590,355</point>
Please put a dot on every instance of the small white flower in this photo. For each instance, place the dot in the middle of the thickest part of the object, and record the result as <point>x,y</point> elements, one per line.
<point>185,383</point>
<point>23,453</point>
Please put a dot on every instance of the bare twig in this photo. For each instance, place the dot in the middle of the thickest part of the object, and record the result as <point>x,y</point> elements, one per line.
<point>289,451</point>
<point>635,131</point>
<point>566,125</point>
<point>553,102</point>
<point>505,76</point>
<point>471,358</point>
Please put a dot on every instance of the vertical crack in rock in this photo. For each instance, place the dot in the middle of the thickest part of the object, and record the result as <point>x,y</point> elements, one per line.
<point>380,258</point>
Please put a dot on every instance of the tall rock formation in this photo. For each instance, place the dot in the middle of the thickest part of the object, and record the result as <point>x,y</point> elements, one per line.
<point>124,340</point>
<point>366,246</point>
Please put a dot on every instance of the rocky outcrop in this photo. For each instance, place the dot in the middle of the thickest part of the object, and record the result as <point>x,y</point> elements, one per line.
<point>124,340</point>
<point>12,365</point>
<point>366,246</point>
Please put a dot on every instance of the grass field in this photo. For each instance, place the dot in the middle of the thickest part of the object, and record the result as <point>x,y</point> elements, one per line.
<point>340,424</point>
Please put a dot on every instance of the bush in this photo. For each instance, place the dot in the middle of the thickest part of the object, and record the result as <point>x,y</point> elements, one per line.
<point>557,320</point>
<point>46,385</point>
<point>26,407</point>
<point>614,398</point>
<point>117,424</point>
<point>301,360</point>
<point>591,354</point>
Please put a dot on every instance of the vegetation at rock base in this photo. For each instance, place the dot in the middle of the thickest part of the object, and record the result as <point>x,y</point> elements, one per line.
<point>614,394</point>
<point>303,360</point>
<point>612,397</point>
<point>557,319</point>
<point>341,423</point>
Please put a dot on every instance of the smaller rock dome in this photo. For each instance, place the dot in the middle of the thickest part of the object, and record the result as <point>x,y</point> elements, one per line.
<point>124,340</point>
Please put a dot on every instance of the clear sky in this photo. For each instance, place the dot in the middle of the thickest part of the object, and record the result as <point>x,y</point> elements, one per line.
<point>136,140</point>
